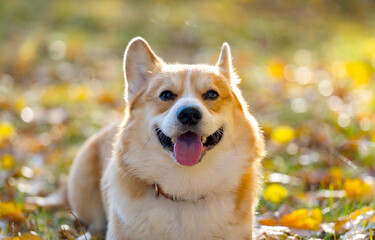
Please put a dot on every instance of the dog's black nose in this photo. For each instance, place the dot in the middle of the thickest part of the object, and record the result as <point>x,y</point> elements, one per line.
<point>189,115</point>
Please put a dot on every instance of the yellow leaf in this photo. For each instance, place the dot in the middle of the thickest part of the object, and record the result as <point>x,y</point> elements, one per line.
<point>20,103</point>
<point>373,137</point>
<point>78,92</point>
<point>309,223</point>
<point>336,172</point>
<point>7,161</point>
<point>359,212</point>
<point>6,131</point>
<point>275,193</point>
<point>359,72</point>
<point>268,222</point>
<point>316,214</point>
<point>352,216</point>
<point>276,69</point>
<point>356,187</point>
<point>29,236</point>
<point>303,219</point>
<point>339,223</point>
<point>54,95</point>
<point>25,236</point>
<point>293,218</point>
<point>336,175</point>
<point>27,51</point>
<point>369,47</point>
<point>283,134</point>
<point>11,211</point>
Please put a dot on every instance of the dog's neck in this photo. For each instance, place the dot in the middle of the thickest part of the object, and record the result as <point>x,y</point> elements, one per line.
<point>159,191</point>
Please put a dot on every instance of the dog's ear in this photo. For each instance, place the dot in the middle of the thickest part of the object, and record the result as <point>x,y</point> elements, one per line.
<point>225,61</point>
<point>139,63</point>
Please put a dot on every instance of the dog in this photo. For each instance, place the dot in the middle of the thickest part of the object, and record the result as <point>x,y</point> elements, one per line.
<point>185,161</point>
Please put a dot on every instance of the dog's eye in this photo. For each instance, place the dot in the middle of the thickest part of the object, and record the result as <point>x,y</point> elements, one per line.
<point>211,95</point>
<point>167,95</point>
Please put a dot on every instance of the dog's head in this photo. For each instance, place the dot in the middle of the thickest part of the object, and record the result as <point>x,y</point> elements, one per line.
<point>184,117</point>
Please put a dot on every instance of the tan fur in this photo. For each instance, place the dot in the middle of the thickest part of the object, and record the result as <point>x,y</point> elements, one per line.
<point>221,191</point>
<point>84,179</point>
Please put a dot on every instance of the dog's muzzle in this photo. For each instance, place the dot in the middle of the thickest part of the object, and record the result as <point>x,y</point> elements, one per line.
<point>189,147</point>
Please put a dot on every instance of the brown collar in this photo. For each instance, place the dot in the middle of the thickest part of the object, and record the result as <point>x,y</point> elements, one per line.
<point>159,191</point>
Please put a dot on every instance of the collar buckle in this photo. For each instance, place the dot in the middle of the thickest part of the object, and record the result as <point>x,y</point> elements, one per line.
<point>157,192</point>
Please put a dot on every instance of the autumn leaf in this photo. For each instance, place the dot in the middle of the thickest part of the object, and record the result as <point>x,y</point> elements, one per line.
<point>303,219</point>
<point>317,215</point>
<point>336,172</point>
<point>369,47</point>
<point>7,161</point>
<point>6,131</point>
<point>78,92</point>
<point>283,134</point>
<point>359,72</point>
<point>356,187</point>
<point>352,216</point>
<point>336,176</point>
<point>25,236</point>
<point>29,236</point>
<point>268,222</point>
<point>20,103</point>
<point>275,193</point>
<point>276,69</point>
<point>11,211</point>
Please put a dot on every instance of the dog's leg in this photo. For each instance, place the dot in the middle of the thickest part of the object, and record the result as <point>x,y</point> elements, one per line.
<point>84,193</point>
<point>84,189</point>
<point>115,228</point>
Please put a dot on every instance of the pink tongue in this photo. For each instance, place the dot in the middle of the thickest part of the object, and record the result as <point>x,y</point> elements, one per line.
<point>188,149</point>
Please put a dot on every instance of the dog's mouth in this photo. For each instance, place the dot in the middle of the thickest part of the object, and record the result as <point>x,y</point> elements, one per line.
<point>189,147</point>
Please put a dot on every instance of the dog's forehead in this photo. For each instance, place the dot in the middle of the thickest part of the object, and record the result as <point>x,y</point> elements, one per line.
<point>196,75</point>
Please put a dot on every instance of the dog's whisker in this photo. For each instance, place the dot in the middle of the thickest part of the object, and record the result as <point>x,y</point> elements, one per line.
<point>234,146</point>
<point>144,146</point>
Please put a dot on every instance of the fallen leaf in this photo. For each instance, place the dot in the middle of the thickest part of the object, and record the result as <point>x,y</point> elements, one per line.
<point>11,211</point>
<point>6,131</point>
<point>359,72</point>
<point>283,134</point>
<point>303,219</point>
<point>276,69</point>
<point>78,92</point>
<point>275,193</point>
<point>268,222</point>
<point>352,216</point>
<point>356,187</point>
<point>7,161</point>
<point>30,236</point>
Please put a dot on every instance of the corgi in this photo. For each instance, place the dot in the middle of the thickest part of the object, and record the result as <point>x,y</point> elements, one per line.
<point>185,161</point>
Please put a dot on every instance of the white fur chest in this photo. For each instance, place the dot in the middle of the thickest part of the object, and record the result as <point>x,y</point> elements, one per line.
<point>150,218</point>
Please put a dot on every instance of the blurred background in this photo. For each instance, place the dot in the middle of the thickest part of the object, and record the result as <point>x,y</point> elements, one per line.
<point>307,70</point>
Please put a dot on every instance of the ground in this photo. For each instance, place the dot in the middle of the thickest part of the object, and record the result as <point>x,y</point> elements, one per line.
<point>307,70</point>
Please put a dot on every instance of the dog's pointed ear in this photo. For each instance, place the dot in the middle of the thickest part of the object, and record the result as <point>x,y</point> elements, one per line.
<point>139,63</point>
<point>225,61</point>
